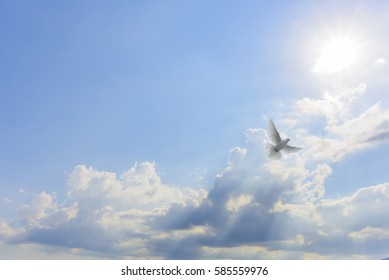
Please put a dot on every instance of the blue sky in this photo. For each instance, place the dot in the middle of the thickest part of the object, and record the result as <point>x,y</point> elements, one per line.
<point>143,122</point>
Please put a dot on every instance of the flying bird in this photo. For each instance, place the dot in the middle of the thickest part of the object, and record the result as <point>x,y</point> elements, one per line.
<point>273,149</point>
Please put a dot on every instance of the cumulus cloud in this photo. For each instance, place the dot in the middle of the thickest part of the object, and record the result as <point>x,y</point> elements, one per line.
<point>104,212</point>
<point>278,209</point>
<point>138,188</point>
<point>44,212</point>
<point>6,230</point>
<point>287,227</point>
<point>255,208</point>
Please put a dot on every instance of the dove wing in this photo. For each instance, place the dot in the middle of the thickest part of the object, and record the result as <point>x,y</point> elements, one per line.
<point>271,152</point>
<point>273,133</point>
<point>290,149</point>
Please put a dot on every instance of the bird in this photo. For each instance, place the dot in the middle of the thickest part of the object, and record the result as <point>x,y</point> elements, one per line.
<point>274,149</point>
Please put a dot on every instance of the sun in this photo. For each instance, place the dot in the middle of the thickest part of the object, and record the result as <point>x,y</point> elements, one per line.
<point>336,55</point>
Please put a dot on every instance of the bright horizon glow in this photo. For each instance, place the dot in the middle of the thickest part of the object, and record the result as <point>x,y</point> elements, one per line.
<point>336,55</point>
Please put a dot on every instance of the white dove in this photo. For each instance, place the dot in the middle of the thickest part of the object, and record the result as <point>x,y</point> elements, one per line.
<point>273,149</point>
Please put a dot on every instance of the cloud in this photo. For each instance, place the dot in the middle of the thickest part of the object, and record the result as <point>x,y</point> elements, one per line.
<point>362,209</point>
<point>139,187</point>
<point>28,251</point>
<point>380,61</point>
<point>235,203</point>
<point>379,137</point>
<point>334,106</point>
<point>44,212</point>
<point>343,132</point>
<point>6,230</point>
<point>255,208</point>
<point>241,207</point>
<point>7,200</point>
<point>367,232</point>
<point>104,212</point>
<point>277,208</point>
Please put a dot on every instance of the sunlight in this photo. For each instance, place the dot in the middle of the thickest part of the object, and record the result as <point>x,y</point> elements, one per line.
<point>336,55</point>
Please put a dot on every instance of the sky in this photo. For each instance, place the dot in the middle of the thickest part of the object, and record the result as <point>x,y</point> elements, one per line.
<point>136,129</point>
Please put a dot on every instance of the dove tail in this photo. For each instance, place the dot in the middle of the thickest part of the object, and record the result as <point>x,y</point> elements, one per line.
<point>271,152</point>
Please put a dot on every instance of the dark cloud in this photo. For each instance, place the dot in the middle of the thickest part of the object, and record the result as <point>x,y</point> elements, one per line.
<point>379,137</point>
<point>253,222</point>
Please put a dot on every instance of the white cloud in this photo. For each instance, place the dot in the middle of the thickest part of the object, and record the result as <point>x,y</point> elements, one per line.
<point>30,251</point>
<point>334,106</point>
<point>7,200</point>
<point>235,203</point>
<point>104,212</point>
<point>247,252</point>
<point>281,205</point>
<point>366,207</point>
<point>255,208</point>
<point>344,132</point>
<point>139,187</point>
<point>44,212</point>
<point>6,230</point>
<point>380,61</point>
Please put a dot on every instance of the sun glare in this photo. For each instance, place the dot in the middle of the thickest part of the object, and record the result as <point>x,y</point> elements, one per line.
<point>336,55</point>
